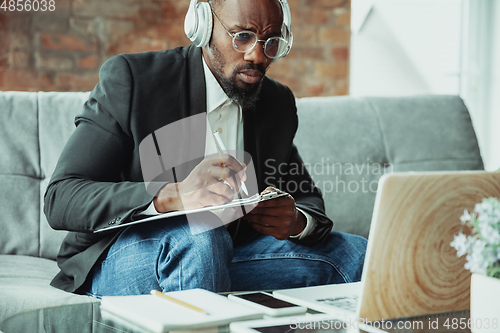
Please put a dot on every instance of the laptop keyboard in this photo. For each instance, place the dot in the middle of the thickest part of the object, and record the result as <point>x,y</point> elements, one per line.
<point>348,303</point>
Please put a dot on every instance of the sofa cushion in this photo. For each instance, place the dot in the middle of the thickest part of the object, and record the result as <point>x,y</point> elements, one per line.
<point>349,143</point>
<point>24,285</point>
<point>57,112</point>
<point>33,130</point>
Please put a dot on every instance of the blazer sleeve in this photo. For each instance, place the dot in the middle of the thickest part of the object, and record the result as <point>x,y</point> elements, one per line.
<point>306,194</point>
<point>308,197</point>
<point>87,190</point>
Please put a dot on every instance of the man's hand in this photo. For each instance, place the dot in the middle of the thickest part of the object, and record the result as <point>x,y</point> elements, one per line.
<point>213,182</point>
<point>279,217</point>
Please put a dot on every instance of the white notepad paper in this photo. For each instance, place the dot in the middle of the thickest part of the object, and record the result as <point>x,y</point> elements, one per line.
<point>160,315</point>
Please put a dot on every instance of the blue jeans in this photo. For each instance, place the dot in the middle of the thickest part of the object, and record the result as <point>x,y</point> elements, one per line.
<point>164,255</point>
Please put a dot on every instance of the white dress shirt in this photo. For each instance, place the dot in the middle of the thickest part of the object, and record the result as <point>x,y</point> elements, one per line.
<point>226,117</point>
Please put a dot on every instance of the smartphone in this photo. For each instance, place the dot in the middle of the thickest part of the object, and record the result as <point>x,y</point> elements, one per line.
<point>311,323</point>
<point>268,304</point>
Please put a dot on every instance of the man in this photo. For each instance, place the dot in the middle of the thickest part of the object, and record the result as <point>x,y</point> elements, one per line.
<point>282,243</point>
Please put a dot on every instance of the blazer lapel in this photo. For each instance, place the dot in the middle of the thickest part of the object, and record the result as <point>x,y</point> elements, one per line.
<point>187,148</point>
<point>196,97</point>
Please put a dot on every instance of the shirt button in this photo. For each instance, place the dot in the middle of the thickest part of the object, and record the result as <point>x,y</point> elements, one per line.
<point>219,130</point>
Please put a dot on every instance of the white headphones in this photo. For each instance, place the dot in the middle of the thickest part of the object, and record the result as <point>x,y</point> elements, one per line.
<point>198,23</point>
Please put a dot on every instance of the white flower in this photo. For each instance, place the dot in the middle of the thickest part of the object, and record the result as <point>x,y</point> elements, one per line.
<point>490,234</point>
<point>461,244</point>
<point>475,259</point>
<point>465,217</point>
<point>490,254</point>
<point>482,249</point>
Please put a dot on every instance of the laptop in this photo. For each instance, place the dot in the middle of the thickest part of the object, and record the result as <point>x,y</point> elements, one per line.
<point>410,268</point>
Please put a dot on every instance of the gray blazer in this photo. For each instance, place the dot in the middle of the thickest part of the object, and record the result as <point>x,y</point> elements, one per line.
<point>98,179</point>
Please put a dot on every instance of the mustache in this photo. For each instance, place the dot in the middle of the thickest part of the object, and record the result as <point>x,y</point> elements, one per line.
<point>255,67</point>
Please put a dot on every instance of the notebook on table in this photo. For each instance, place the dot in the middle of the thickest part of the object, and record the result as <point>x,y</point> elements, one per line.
<point>410,268</point>
<point>157,314</point>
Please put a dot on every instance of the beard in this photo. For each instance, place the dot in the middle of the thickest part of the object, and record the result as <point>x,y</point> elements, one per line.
<point>246,96</point>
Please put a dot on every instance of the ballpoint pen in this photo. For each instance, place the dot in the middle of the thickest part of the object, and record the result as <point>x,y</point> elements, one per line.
<point>223,150</point>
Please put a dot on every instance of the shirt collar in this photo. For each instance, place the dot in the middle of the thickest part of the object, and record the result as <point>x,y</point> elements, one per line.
<point>215,95</point>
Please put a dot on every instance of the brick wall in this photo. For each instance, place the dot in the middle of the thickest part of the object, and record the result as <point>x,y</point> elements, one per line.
<point>62,50</point>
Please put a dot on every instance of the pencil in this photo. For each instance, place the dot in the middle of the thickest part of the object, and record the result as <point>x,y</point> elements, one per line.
<point>179,302</point>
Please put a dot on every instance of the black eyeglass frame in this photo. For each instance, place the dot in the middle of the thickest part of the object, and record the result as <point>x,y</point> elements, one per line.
<point>265,41</point>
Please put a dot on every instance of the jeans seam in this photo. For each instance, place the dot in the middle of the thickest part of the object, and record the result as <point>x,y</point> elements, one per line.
<point>339,270</point>
<point>130,244</point>
<point>180,274</point>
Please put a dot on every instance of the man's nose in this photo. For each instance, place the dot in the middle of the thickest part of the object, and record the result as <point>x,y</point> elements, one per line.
<point>257,55</point>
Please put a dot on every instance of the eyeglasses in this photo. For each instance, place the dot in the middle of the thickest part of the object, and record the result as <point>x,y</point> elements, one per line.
<point>245,41</point>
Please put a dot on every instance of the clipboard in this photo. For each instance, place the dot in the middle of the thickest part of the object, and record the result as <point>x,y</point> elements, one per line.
<point>253,200</point>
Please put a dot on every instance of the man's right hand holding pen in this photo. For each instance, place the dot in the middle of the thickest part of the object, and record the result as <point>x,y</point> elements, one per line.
<point>213,182</point>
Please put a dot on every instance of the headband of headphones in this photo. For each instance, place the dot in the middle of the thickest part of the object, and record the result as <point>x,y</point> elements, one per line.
<point>198,23</point>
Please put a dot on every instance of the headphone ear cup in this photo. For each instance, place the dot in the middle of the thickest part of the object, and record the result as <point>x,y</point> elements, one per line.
<point>191,21</point>
<point>286,29</point>
<point>205,24</point>
<point>198,23</point>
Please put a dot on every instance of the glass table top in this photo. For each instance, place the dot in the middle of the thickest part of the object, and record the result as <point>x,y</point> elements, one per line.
<point>87,318</point>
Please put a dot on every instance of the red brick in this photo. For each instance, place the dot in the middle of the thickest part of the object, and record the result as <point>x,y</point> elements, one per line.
<point>77,82</point>
<point>108,9</point>
<point>341,87</point>
<point>89,62</point>
<point>316,90</point>
<point>5,41</point>
<point>331,70</point>
<point>181,6</point>
<point>171,32</point>
<point>19,41</point>
<point>4,62</point>
<point>26,81</point>
<point>4,51</point>
<point>135,43</point>
<point>85,26</point>
<point>151,13</point>
<point>300,68</point>
<point>316,16</point>
<point>296,11</point>
<point>329,3</point>
<point>343,19</point>
<point>62,7</point>
<point>17,21</point>
<point>341,53</point>
<point>20,59</point>
<point>4,22</point>
<point>317,65</point>
<point>290,82</point>
<point>294,3</point>
<point>67,42</point>
<point>280,69</point>
<point>308,35</point>
<point>306,52</point>
<point>335,35</point>
<point>116,29</point>
<point>53,62</point>
<point>50,22</point>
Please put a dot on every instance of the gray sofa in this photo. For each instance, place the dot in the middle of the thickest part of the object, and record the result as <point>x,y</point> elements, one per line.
<point>347,143</point>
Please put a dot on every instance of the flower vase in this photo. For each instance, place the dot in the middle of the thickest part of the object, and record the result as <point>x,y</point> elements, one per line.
<point>484,304</point>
